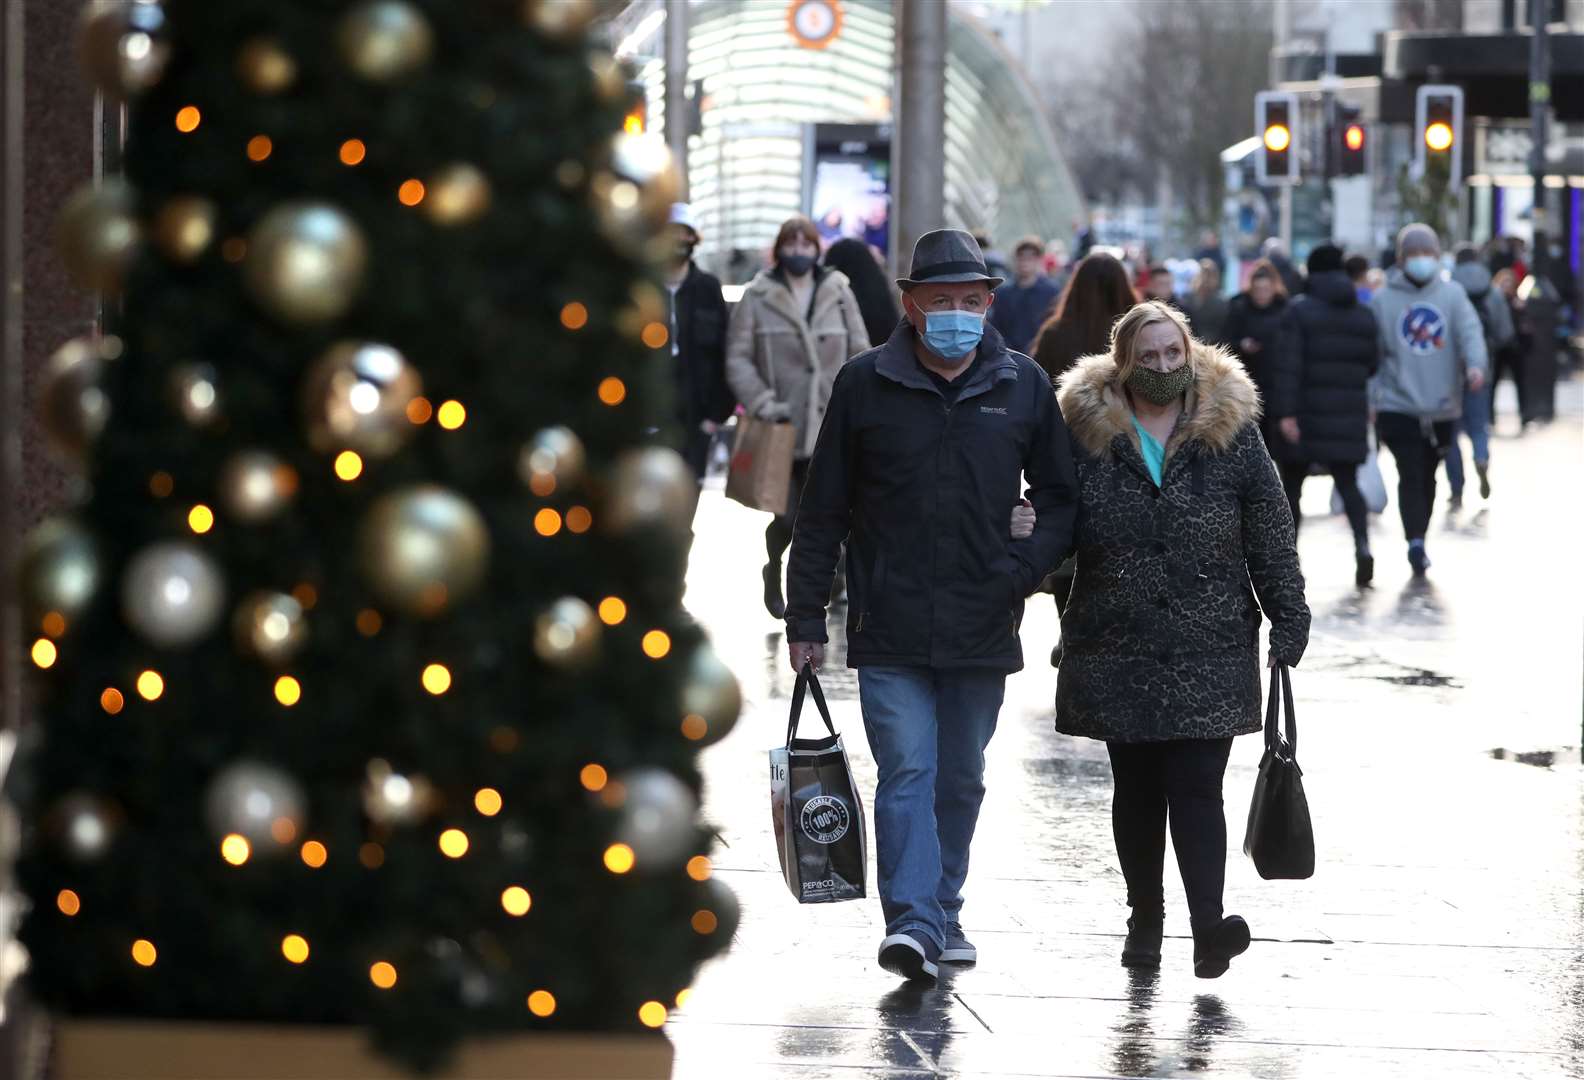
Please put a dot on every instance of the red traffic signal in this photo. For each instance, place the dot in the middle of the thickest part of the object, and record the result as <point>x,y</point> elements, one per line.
<point>1349,139</point>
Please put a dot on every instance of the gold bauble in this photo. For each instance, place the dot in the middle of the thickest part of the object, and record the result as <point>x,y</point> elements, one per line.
<point>305,262</point>
<point>356,397</point>
<point>84,825</point>
<point>185,227</point>
<point>382,40</point>
<point>195,392</point>
<point>633,197</point>
<point>123,47</point>
<point>258,802</point>
<point>552,461</point>
<point>271,626</point>
<point>72,402</point>
<point>393,798</point>
<point>97,235</point>
<point>567,636</point>
<point>457,195</point>
<point>711,698</point>
<point>265,67</point>
<point>60,570</point>
<point>255,486</point>
<point>560,20</point>
<point>650,487</point>
<point>423,549</point>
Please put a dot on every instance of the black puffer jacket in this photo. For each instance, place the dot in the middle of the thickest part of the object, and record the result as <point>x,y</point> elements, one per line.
<point>1160,639</point>
<point>1329,349</point>
<point>1263,324</point>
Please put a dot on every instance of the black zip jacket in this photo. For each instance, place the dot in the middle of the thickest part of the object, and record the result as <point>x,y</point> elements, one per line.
<point>922,490</point>
<point>699,365</point>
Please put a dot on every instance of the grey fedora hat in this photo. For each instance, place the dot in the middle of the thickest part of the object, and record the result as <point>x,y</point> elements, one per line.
<point>948,256</point>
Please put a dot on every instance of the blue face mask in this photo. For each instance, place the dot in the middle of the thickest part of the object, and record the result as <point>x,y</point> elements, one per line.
<point>952,335</point>
<point>1421,267</point>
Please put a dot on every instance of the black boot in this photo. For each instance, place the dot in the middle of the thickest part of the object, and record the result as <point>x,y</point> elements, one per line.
<point>1143,946</point>
<point>773,602</point>
<point>1364,570</point>
<point>1215,945</point>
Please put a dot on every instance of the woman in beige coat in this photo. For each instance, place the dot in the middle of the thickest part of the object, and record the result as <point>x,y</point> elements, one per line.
<point>796,325</point>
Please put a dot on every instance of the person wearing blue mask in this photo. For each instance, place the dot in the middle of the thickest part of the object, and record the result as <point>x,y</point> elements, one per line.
<point>917,466</point>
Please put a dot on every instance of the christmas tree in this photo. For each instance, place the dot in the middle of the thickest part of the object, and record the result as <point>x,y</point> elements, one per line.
<point>366,693</point>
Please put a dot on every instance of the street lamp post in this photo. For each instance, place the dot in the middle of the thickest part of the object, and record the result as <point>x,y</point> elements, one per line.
<point>921,122</point>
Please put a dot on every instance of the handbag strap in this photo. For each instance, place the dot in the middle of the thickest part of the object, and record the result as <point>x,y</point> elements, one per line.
<point>1281,680</point>
<point>807,679</point>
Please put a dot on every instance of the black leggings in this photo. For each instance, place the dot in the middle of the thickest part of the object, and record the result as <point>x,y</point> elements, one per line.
<point>778,534</point>
<point>1293,475</point>
<point>1417,446</point>
<point>1180,779</point>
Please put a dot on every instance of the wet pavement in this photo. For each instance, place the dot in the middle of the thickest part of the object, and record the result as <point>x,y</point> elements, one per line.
<point>1441,936</point>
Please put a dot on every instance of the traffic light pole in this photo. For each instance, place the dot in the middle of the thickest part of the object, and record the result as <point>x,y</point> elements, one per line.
<point>1539,108</point>
<point>921,124</point>
<point>676,76</point>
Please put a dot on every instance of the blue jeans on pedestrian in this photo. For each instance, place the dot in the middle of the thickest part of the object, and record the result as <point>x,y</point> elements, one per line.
<point>928,729</point>
<point>1475,423</point>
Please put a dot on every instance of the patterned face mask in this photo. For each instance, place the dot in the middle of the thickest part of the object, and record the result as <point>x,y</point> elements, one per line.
<point>1159,388</point>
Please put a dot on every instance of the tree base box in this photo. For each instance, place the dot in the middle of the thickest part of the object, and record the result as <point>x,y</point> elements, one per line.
<point>159,1050</point>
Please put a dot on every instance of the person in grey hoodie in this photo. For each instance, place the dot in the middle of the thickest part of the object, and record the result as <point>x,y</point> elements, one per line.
<point>1496,320</point>
<point>1432,349</point>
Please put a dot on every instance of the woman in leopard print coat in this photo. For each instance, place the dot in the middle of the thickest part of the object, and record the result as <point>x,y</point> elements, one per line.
<point>1160,649</point>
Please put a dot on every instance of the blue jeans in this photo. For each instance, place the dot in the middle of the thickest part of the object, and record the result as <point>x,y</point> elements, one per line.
<point>1476,425</point>
<point>928,729</point>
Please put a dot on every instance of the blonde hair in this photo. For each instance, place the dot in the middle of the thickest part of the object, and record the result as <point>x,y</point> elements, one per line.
<point>1124,334</point>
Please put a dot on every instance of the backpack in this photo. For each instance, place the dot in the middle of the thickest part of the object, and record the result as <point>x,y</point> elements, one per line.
<point>1484,314</point>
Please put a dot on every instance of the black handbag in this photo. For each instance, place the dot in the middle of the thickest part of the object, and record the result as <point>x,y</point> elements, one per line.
<point>1280,837</point>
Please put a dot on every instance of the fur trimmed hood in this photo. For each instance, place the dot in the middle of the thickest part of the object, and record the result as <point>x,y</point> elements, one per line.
<point>1221,402</point>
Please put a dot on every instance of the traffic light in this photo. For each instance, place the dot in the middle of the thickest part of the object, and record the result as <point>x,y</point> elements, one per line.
<point>1352,139</point>
<point>637,120</point>
<point>1276,123</point>
<point>1438,114</point>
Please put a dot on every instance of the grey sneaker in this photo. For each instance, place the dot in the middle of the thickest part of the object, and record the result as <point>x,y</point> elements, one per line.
<point>958,950</point>
<point>910,955</point>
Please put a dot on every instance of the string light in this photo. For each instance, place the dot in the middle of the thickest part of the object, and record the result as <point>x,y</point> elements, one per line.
<point>288,691</point>
<point>53,624</point>
<point>541,1003</point>
<point>612,391</point>
<point>314,854</point>
<point>487,801</point>
<point>144,953</point>
<point>348,465</point>
<point>259,148</point>
<point>68,902</point>
<point>294,947</point>
<point>451,415</point>
<point>44,653</point>
<point>419,410</point>
<point>369,622</point>
<point>161,484</point>
<point>306,595</point>
<point>612,610</point>
<point>150,685</point>
<point>547,522</point>
<point>188,118</point>
<point>371,855</point>
<point>574,316</point>
<point>200,519</point>
<point>235,849</point>
<point>352,152</point>
<point>698,868</point>
<point>619,858</point>
<point>682,997</point>
<point>516,901</point>
<point>656,644</point>
<point>694,727</point>
<point>436,679</point>
<point>283,830</point>
<point>453,843</point>
<point>382,974</point>
<point>652,1014</point>
<point>542,484</point>
<point>579,520</point>
<point>593,777</point>
<point>111,700</point>
<point>704,922</point>
<point>411,193</point>
<point>655,335</point>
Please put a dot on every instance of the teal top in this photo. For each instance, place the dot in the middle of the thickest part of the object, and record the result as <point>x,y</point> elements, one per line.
<point>1154,453</point>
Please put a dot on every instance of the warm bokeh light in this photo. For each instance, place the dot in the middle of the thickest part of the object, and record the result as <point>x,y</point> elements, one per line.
<point>233,249</point>
<point>503,739</point>
<point>656,644</point>
<point>314,854</point>
<point>1438,136</point>
<point>541,1003</point>
<point>161,484</point>
<point>451,415</point>
<point>487,801</point>
<point>288,691</point>
<point>371,855</point>
<point>294,947</point>
<point>694,727</point>
<point>436,679</point>
<point>348,465</point>
<point>698,868</point>
<point>619,858</point>
<point>612,610</point>
<point>419,410</point>
<point>353,151</point>
<point>111,700</point>
<point>44,653</point>
<point>188,118</point>
<point>53,624</point>
<point>369,622</point>
<point>306,595</point>
<point>68,902</point>
<point>200,519</point>
<point>516,901</point>
<point>655,335</point>
<point>612,391</point>
<point>652,1014</point>
<point>593,777</point>
<point>453,843</point>
<point>144,953</point>
<point>1278,137</point>
<point>547,522</point>
<point>574,316</point>
<point>542,484</point>
<point>411,193</point>
<point>150,685</point>
<point>579,520</point>
<point>283,830</point>
<point>382,974</point>
<point>704,922</point>
<point>682,997</point>
<point>235,849</point>
<point>259,147</point>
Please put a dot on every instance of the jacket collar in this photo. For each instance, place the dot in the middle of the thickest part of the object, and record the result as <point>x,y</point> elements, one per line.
<point>771,288</point>
<point>1220,403</point>
<point>898,363</point>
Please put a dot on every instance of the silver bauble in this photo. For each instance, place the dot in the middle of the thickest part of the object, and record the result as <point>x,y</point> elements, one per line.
<point>305,262</point>
<point>711,698</point>
<point>382,40</point>
<point>456,195</point>
<point>72,402</point>
<point>552,461</point>
<point>657,818</point>
<point>393,798</point>
<point>648,487</point>
<point>172,593</point>
<point>60,570</point>
<point>185,227</point>
<point>255,486</point>
<point>567,636</point>
<point>258,802</point>
<point>84,825</point>
<point>356,397</point>
<point>722,903</point>
<point>98,233</point>
<point>195,392</point>
<point>423,549</point>
<point>271,626</point>
<point>124,47</point>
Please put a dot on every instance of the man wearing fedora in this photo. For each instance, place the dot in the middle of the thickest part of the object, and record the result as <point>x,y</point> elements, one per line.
<point>918,467</point>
